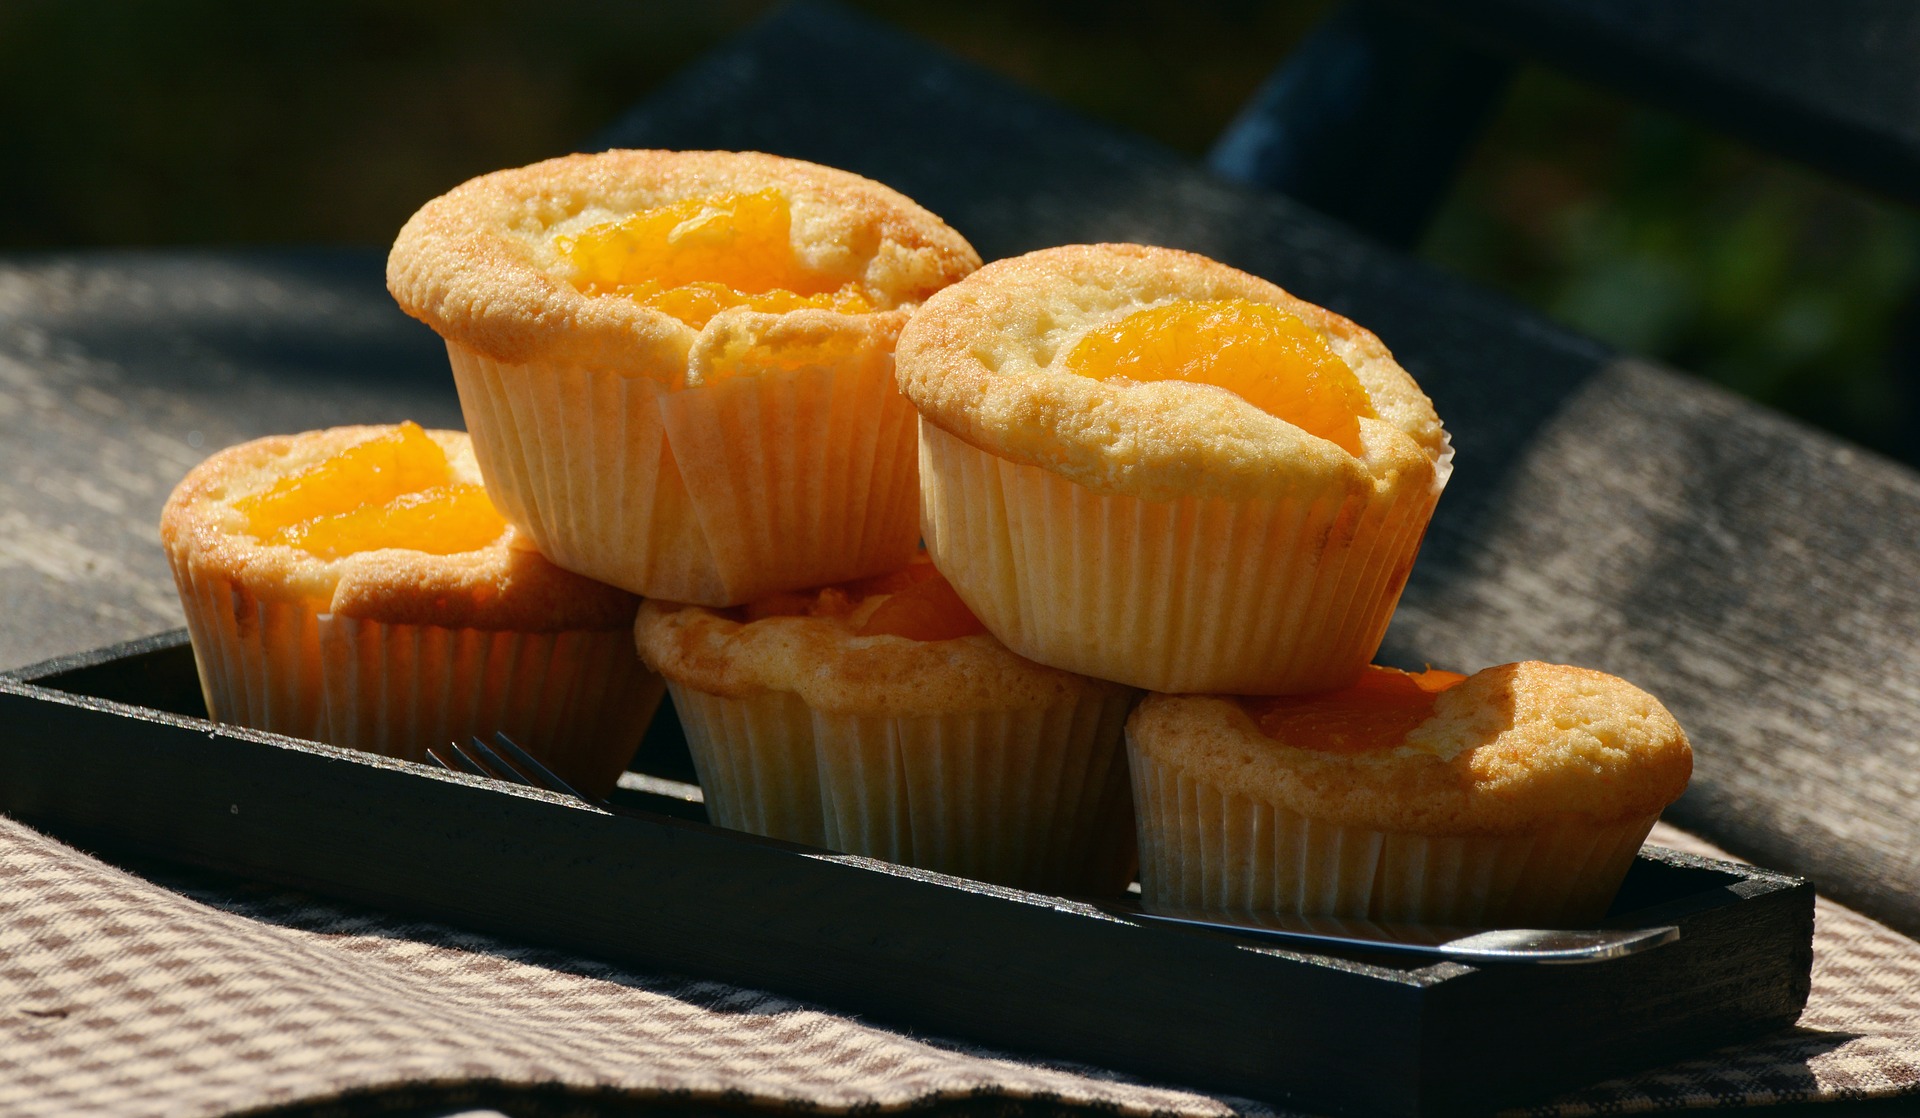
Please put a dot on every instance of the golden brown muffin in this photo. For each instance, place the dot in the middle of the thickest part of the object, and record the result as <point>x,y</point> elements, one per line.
<point>677,366</point>
<point>1142,465</point>
<point>355,586</point>
<point>880,719</point>
<point>1517,795</point>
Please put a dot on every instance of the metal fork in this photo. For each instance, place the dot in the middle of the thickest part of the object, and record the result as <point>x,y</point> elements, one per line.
<point>508,762</point>
<point>505,760</point>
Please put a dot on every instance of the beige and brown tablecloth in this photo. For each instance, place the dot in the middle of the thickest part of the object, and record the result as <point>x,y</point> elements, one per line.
<point>120,996</point>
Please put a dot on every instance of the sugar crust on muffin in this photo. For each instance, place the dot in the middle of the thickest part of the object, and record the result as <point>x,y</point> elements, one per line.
<point>983,361</point>
<point>479,263</point>
<point>503,586</point>
<point>1510,748</point>
<point>831,668</point>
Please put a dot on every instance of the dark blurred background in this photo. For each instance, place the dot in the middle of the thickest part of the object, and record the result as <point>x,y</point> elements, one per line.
<point>220,122</point>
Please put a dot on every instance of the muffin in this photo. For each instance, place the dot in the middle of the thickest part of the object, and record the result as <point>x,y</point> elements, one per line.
<point>355,586</point>
<point>1142,465</point>
<point>879,719</point>
<point>678,366</point>
<point>1515,796</point>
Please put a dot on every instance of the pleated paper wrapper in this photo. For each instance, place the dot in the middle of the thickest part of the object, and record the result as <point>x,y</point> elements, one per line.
<point>1036,798</point>
<point>754,756</point>
<point>1202,847</point>
<point>776,480</point>
<point>577,700</point>
<point>1196,595</point>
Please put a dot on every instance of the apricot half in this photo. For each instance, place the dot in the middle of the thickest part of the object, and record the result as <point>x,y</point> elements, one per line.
<point>393,490</point>
<point>1377,711</point>
<point>921,605</point>
<point>699,256</point>
<point>928,611</point>
<point>1266,356</point>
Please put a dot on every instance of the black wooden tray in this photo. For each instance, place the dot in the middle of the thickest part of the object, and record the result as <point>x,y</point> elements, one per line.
<point>112,748</point>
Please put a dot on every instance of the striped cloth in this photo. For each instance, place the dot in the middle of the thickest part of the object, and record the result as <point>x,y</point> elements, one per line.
<point>189,995</point>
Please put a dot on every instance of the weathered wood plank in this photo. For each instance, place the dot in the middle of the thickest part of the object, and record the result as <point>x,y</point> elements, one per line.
<point>121,370</point>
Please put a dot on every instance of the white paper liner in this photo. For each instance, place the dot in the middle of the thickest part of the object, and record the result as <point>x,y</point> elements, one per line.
<point>1205,848</point>
<point>577,700</point>
<point>579,461</point>
<point>1283,596</point>
<point>240,643</point>
<point>1036,799</point>
<point>754,756</point>
<point>714,495</point>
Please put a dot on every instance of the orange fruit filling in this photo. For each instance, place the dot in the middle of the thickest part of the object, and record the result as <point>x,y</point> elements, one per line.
<point>699,256</point>
<point>930,611</point>
<point>1377,711</point>
<point>1267,357</point>
<point>393,490</point>
<point>921,605</point>
<point>696,303</point>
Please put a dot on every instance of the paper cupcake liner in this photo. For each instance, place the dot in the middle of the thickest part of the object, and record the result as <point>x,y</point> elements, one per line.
<point>1206,848</point>
<point>258,659</point>
<point>579,461</point>
<point>800,477</point>
<point>755,759</point>
<point>1036,799</point>
<point>1278,596</point>
<point>714,495</point>
<point>579,701</point>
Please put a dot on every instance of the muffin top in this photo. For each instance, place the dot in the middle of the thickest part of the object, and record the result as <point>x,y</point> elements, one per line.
<point>899,644</point>
<point>1160,373</point>
<point>1505,750</point>
<point>625,261</point>
<point>384,524</point>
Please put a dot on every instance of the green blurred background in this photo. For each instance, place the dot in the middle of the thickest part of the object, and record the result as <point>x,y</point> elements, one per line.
<point>219,122</point>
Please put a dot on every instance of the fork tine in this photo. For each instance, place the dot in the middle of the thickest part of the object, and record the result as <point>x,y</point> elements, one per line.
<point>433,754</point>
<point>544,777</point>
<point>501,770</point>
<point>460,762</point>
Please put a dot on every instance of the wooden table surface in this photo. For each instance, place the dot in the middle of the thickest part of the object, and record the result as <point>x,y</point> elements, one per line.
<point>1758,576</point>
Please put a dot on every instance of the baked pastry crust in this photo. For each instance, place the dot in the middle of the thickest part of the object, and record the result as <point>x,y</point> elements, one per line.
<point>952,755</point>
<point>504,586</point>
<point>983,360</point>
<point>479,264</point>
<point>1510,749</point>
<point>830,668</point>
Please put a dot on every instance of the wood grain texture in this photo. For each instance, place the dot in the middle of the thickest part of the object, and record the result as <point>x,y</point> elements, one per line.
<point>119,371</point>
